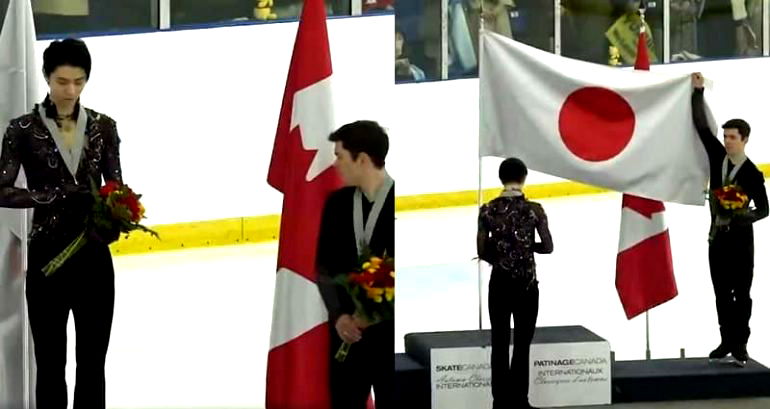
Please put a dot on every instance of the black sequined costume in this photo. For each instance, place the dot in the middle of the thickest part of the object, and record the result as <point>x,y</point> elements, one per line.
<point>85,283</point>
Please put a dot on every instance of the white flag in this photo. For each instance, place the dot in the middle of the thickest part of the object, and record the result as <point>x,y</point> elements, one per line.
<point>629,131</point>
<point>18,69</point>
<point>19,73</point>
<point>18,93</point>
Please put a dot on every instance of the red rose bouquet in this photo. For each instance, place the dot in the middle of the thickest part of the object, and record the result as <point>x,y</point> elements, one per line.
<point>115,208</point>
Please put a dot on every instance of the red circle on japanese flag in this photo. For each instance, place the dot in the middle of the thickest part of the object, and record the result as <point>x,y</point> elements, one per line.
<point>596,124</point>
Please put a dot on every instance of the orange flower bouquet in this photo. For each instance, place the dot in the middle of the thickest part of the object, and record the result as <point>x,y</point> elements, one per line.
<point>372,288</point>
<point>726,203</point>
<point>115,208</point>
<point>731,198</point>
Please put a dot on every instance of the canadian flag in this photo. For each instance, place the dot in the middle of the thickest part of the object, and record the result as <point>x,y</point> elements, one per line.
<point>644,271</point>
<point>629,131</point>
<point>301,168</point>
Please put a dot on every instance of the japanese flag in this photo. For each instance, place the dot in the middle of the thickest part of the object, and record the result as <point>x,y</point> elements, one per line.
<point>629,131</point>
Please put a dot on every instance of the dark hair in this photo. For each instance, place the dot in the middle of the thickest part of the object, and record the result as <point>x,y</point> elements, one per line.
<point>70,51</point>
<point>742,126</point>
<point>363,137</point>
<point>512,170</point>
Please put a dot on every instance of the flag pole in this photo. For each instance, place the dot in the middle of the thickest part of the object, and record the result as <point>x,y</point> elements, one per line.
<point>478,262</point>
<point>480,195</point>
<point>26,347</point>
<point>647,353</point>
<point>28,384</point>
<point>647,322</point>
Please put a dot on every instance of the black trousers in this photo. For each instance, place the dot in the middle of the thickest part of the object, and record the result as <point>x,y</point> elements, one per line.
<point>85,284</point>
<point>510,381</point>
<point>370,363</point>
<point>731,260</point>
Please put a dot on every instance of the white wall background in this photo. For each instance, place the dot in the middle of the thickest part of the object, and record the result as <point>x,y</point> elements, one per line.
<point>197,111</point>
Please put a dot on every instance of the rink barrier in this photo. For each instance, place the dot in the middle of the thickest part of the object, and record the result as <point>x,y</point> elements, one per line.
<point>257,229</point>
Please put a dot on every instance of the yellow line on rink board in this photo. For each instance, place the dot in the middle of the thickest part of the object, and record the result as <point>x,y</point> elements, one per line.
<point>255,229</point>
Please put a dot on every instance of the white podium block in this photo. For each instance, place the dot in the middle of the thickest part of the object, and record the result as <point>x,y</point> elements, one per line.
<point>461,378</point>
<point>570,374</point>
<point>569,366</point>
